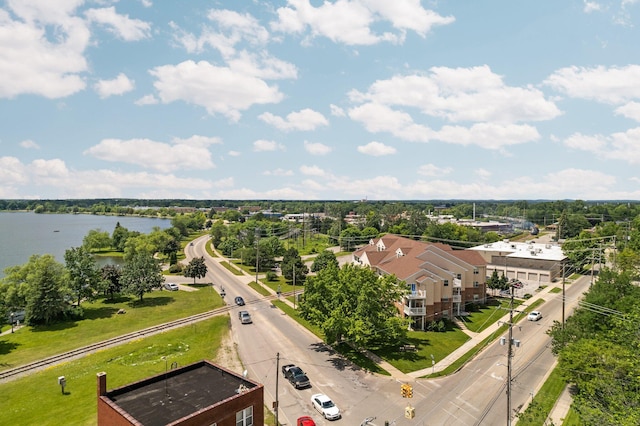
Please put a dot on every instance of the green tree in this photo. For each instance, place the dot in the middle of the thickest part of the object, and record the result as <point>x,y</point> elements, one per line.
<point>44,289</point>
<point>217,232</point>
<point>350,237</point>
<point>354,304</point>
<point>292,264</point>
<point>84,277</point>
<point>111,278</point>
<point>119,237</point>
<point>96,240</point>
<point>141,274</point>
<point>323,260</point>
<point>195,269</point>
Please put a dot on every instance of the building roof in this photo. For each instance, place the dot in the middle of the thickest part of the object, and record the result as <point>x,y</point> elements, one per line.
<point>526,250</point>
<point>176,394</point>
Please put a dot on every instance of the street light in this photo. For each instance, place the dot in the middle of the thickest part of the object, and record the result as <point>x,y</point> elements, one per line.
<point>12,315</point>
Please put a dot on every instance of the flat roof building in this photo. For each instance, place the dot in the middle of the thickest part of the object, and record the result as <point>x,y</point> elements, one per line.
<point>198,394</point>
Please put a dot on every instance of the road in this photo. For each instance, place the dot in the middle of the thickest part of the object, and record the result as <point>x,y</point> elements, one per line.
<point>475,395</point>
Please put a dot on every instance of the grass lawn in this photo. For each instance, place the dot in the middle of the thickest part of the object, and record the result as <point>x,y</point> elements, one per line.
<point>440,344</point>
<point>101,321</point>
<point>37,399</point>
<point>542,404</point>
<point>555,290</point>
<point>488,314</point>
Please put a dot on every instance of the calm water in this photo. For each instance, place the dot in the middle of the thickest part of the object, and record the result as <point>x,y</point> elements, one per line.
<point>23,234</point>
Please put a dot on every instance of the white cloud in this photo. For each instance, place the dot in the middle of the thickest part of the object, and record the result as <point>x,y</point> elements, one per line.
<point>29,144</point>
<point>351,21</point>
<point>433,170</point>
<point>198,141</point>
<point>147,100</point>
<point>380,118</point>
<point>312,171</point>
<point>274,194</point>
<point>591,6</point>
<point>482,173</point>
<point>278,172</point>
<point>154,155</point>
<point>121,25</point>
<point>337,111</point>
<point>461,94</point>
<point>612,85</point>
<point>33,61</point>
<point>263,145</point>
<point>630,110</point>
<point>118,86</point>
<point>376,149</point>
<point>623,146</point>
<point>234,153</point>
<point>317,148</point>
<point>218,89</point>
<point>488,135</point>
<point>305,119</point>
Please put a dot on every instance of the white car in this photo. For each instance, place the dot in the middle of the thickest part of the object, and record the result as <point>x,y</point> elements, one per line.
<point>325,406</point>
<point>171,286</point>
<point>534,315</point>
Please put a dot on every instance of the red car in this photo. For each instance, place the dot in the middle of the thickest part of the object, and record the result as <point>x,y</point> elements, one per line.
<point>305,421</point>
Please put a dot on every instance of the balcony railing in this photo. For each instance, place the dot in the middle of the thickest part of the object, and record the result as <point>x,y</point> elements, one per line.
<point>457,283</point>
<point>419,294</point>
<point>456,298</point>
<point>415,311</point>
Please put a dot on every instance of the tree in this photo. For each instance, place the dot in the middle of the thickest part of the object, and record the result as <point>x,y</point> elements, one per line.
<point>141,274</point>
<point>96,240</point>
<point>84,276</point>
<point>195,269</point>
<point>217,232</point>
<point>111,278</point>
<point>119,236</point>
<point>43,280</point>
<point>350,237</point>
<point>291,265</point>
<point>323,260</point>
<point>170,250</point>
<point>355,304</point>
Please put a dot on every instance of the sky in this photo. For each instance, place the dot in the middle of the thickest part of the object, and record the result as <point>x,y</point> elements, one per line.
<point>320,100</point>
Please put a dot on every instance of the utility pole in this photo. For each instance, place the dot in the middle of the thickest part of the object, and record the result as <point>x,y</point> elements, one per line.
<point>563,296</point>
<point>294,285</point>
<point>509,355</point>
<point>257,252</point>
<point>275,405</point>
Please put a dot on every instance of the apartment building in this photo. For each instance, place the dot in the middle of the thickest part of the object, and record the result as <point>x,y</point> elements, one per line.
<point>442,281</point>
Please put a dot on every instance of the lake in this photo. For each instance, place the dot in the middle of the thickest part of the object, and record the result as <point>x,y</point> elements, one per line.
<point>23,234</point>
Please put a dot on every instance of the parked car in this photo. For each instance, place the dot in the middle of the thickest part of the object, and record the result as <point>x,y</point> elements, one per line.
<point>245,317</point>
<point>534,315</point>
<point>325,406</point>
<point>305,421</point>
<point>239,301</point>
<point>171,286</point>
<point>296,376</point>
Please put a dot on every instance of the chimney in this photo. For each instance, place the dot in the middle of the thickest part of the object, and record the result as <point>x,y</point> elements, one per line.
<point>102,383</point>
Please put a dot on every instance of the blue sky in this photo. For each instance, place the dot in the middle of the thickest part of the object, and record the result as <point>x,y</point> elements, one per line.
<point>328,100</point>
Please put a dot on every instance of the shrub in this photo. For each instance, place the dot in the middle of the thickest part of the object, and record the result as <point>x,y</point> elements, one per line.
<point>271,276</point>
<point>176,268</point>
<point>527,296</point>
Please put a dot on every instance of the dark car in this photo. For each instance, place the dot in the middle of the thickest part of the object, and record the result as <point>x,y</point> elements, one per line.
<point>239,301</point>
<point>296,376</point>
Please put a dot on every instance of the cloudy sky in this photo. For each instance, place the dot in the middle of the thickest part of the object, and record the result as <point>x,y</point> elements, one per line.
<point>310,99</point>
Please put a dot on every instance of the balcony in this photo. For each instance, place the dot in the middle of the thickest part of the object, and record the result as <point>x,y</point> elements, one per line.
<point>456,298</point>
<point>420,294</point>
<point>415,311</point>
<point>457,283</point>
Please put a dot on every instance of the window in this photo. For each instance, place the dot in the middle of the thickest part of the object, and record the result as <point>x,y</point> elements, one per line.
<point>476,284</point>
<point>459,276</point>
<point>445,299</point>
<point>245,417</point>
<point>476,297</point>
<point>476,272</point>
<point>413,287</point>
<point>446,283</point>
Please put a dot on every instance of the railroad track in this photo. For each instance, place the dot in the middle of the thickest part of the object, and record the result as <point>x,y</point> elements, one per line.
<point>21,370</point>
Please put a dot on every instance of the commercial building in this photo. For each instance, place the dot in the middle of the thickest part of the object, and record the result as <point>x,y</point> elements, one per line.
<point>198,394</point>
<point>442,281</point>
<point>524,261</point>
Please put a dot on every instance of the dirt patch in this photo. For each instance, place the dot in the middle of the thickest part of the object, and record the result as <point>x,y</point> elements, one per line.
<point>228,355</point>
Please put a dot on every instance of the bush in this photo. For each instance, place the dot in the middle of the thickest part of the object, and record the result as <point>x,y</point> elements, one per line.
<point>176,268</point>
<point>527,296</point>
<point>271,276</point>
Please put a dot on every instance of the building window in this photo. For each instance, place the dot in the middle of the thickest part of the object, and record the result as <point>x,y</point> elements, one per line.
<point>476,284</point>
<point>412,286</point>
<point>245,417</point>
<point>476,297</point>
<point>459,276</point>
<point>446,283</point>
<point>476,272</point>
<point>445,299</point>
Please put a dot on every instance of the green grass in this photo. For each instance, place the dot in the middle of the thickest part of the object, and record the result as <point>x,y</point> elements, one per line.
<point>37,399</point>
<point>259,289</point>
<point>230,267</point>
<point>293,313</point>
<point>101,321</point>
<point>440,344</point>
<point>210,250</point>
<point>488,314</point>
<point>555,290</point>
<point>572,419</point>
<point>543,402</point>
